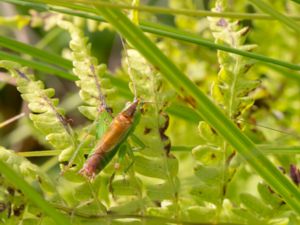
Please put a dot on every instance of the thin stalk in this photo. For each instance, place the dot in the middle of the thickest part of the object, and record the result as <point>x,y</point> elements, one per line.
<point>277,15</point>
<point>37,65</point>
<point>50,37</point>
<point>11,120</point>
<point>185,12</point>
<point>35,52</point>
<point>156,219</point>
<point>271,149</point>
<point>170,11</point>
<point>265,149</point>
<point>174,33</point>
<point>5,78</point>
<point>46,166</point>
<point>42,153</point>
<point>33,195</point>
<point>183,112</point>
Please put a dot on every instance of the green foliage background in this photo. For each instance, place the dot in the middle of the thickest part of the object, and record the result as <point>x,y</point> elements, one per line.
<point>188,161</point>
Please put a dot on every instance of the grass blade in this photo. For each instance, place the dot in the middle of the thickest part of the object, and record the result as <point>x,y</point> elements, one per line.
<point>265,148</point>
<point>168,11</point>
<point>37,65</point>
<point>184,112</point>
<point>275,149</point>
<point>35,52</point>
<point>279,16</point>
<point>43,153</point>
<point>167,31</point>
<point>31,194</point>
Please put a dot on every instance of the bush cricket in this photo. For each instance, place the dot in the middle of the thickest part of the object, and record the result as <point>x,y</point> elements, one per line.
<point>119,129</point>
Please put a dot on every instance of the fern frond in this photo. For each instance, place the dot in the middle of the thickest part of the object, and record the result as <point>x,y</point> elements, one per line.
<point>46,116</point>
<point>232,88</point>
<point>29,171</point>
<point>215,159</point>
<point>95,90</point>
<point>154,161</point>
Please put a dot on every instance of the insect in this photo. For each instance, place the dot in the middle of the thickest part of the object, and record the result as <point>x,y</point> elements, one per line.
<point>119,129</point>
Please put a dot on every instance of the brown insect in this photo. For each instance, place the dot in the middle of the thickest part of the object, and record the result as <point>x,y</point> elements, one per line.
<point>108,145</point>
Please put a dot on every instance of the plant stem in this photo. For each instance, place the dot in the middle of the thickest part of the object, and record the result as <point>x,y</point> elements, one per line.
<point>164,10</point>
<point>276,15</point>
<point>11,120</point>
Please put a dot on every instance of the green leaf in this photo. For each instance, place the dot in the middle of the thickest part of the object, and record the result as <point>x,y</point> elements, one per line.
<point>163,191</point>
<point>255,205</point>
<point>46,117</point>
<point>205,213</point>
<point>269,197</point>
<point>31,194</point>
<point>208,155</point>
<point>129,207</point>
<point>246,215</point>
<point>124,187</point>
<point>155,167</point>
<point>210,175</point>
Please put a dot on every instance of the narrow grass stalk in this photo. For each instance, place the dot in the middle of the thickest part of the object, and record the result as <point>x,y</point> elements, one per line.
<point>205,107</point>
<point>42,153</point>
<point>272,149</point>
<point>185,12</point>
<point>37,65</point>
<point>50,37</point>
<point>5,78</point>
<point>277,15</point>
<point>174,33</point>
<point>265,149</point>
<point>33,195</point>
<point>11,120</point>
<point>184,112</point>
<point>171,11</point>
<point>35,52</point>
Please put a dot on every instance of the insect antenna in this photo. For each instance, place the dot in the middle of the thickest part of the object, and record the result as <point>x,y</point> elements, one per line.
<point>130,70</point>
<point>270,128</point>
<point>101,97</point>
